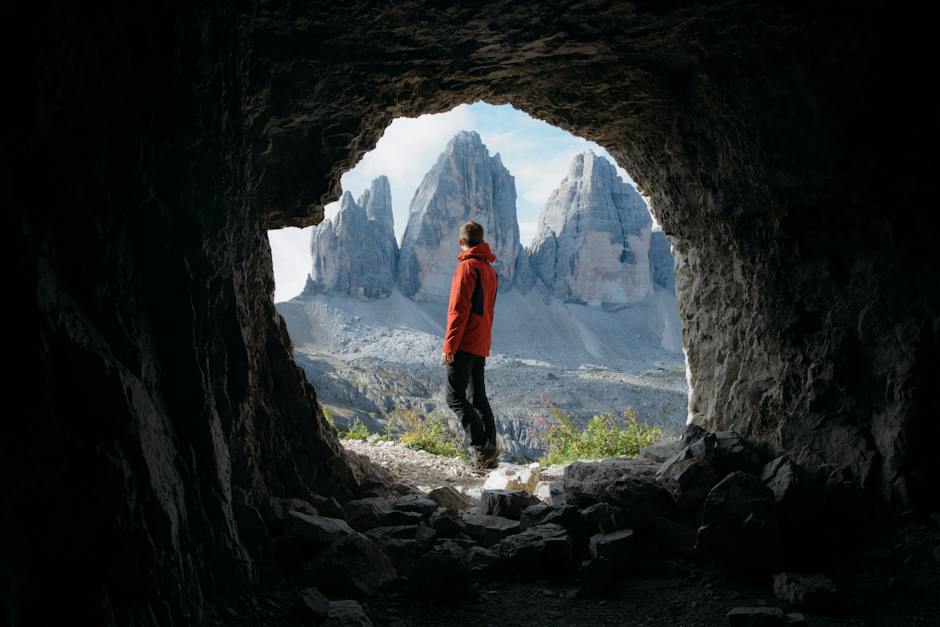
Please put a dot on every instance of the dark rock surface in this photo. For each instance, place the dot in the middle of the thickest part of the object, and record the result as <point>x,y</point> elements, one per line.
<point>149,148</point>
<point>506,503</point>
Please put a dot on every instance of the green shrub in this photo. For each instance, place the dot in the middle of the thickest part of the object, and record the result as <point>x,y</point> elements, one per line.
<point>356,431</point>
<point>328,414</point>
<point>604,436</point>
<point>427,433</point>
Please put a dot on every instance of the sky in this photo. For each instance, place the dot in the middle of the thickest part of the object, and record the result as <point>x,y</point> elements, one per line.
<point>536,153</point>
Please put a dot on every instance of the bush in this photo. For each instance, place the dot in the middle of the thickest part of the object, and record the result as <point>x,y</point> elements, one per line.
<point>604,436</point>
<point>356,431</point>
<point>427,433</point>
<point>328,414</point>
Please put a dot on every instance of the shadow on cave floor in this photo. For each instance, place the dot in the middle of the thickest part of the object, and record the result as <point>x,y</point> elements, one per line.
<point>893,582</point>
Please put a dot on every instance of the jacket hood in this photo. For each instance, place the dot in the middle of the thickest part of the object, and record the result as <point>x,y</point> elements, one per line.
<point>480,251</point>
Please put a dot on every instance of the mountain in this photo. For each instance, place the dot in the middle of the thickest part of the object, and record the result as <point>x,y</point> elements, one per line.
<point>593,239</point>
<point>465,183</point>
<point>355,253</point>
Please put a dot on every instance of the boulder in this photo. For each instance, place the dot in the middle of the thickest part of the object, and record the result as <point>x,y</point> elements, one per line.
<point>447,522</point>
<point>315,531</point>
<point>447,496</point>
<point>398,517</point>
<point>544,550</point>
<point>482,562</point>
<point>422,535</point>
<point>276,510</point>
<point>676,536</point>
<point>739,524</point>
<point>641,499</point>
<point>488,530</point>
<point>603,517</point>
<point>596,577</point>
<point>619,547</point>
<point>587,482</point>
<point>347,613</point>
<point>416,503</point>
<point>312,606</point>
<point>328,506</point>
<point>756,617</point>
<point>812,592</point>
<point>796,491</point>
<point>661,451</point>
<point>513,477</point>
<point>441,575</point>
<point>688,479</point>
<point>364,514</point>
<point>354,566</point>
<point>505,503</point>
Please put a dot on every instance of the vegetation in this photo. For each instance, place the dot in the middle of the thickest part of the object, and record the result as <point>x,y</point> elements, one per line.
<point>426,433</point>
<point>356,431</point>
<point>328,414</point>
<point>604,436</point>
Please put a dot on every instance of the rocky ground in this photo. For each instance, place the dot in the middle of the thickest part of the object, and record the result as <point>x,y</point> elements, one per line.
<point>696,532</point>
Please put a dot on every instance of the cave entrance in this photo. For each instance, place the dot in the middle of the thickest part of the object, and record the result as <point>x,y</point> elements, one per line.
<point>585,324</point>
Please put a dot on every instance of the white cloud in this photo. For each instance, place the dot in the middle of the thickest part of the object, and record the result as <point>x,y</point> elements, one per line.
<point>290,255</point>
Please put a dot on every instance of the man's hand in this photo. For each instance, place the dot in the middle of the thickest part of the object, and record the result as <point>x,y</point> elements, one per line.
<point>447,358</point>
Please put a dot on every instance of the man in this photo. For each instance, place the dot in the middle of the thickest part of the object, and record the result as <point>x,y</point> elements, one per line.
<point>467,342</point>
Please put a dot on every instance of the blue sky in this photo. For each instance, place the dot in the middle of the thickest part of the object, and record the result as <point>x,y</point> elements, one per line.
<point>535,153</point>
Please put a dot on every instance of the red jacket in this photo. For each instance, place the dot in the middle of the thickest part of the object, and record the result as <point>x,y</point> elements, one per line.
<point>472,295</point>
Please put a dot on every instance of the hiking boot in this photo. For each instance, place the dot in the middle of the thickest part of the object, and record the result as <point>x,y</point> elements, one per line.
<point>490,456</point>
<point>480,458</point>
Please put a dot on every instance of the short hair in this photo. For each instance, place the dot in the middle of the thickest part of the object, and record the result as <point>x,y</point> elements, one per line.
<point>471,233</point>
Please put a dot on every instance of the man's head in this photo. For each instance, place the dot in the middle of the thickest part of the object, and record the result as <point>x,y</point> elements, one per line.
<point>471,234</point>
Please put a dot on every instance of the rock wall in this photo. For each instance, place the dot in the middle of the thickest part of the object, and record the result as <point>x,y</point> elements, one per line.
<point>148,149</point>
<point>355,253</point>
<point>593,241</point>
<point>466,183</point>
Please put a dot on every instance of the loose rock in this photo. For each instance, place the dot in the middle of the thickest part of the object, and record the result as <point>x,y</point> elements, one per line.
<point>488,530</point>
<point>347,614</point>
<point>447,496</point>
<point>756,617</point>
<point>545,549</point>
<point>512,477</point>
<point>505,503</point>
<point>315,531</point>
<point>811,592</point>
<point>354,566</point>
<point>312,605</point>
<point>619,547</point>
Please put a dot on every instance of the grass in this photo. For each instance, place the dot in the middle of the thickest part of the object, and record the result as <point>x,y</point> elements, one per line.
<point>604,436</point>
<point>356,431</point>
<point>426,433</point>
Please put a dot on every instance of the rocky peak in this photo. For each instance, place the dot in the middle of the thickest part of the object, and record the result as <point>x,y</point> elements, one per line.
<point>355,253</point>
<point>466,183</point>
<point>594,237</point>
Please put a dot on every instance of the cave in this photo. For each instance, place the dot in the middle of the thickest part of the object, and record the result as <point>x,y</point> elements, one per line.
<point>148,149</point>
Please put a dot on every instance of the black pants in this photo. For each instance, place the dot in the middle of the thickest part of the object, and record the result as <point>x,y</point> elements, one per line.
<point>465,377</point>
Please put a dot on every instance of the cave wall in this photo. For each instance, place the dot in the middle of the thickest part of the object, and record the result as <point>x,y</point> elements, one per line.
<point>151,148</point>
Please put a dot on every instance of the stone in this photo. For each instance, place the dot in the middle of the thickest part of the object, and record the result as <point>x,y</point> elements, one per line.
<point>505,503</point>
<point>354,565</point>
<point>447,496</point>
<point>739,524</point>
<point>815,592</point>
<point>447,522</point>
<point>641,500</point>
<point>416,503</point>
<point>619,547</point>
<point>442,576</point>
<point>756,617</point>
<point>347,613</point>
<point>488,530</point>
<point>588,482</point>
<point>676,536</point>
<point>596,577</point>
<point>688,480</point>
<point>513,477</point>
<point>354,253</point>
<point>603,517</point>
<point>364,514</point>
<point>661,451</point>
<point>312,605</point>
<point>545,550</point>
<point>398,517</point>
<point>465,183</point>
<point>276,510</point>
<point>328,506</point>
<point>315,531</point>
<point>797,493</point>
<point>482,562</point>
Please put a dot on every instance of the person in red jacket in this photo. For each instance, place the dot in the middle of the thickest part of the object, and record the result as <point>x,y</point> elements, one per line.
<point>467,342</point>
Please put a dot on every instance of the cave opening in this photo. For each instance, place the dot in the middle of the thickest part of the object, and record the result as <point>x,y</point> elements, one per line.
<point>586,322</point>
<point>169,453</point>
